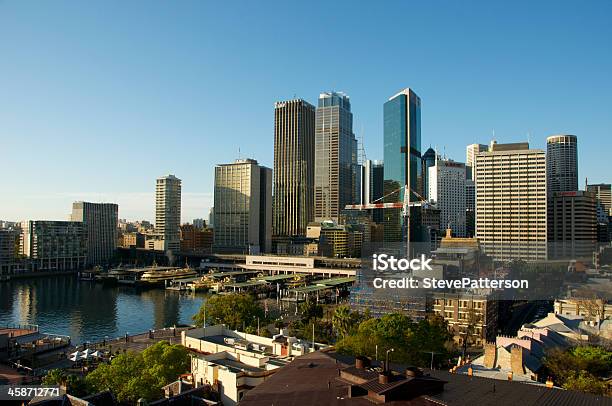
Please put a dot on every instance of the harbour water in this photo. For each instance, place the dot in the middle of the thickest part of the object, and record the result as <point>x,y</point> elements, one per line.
<point>88,311</point>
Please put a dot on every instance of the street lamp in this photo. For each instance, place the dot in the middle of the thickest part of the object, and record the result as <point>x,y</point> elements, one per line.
<point>387,358</point>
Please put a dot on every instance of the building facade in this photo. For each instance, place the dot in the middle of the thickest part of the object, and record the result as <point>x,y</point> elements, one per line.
<point>561,163</point>
<point>447,190</point>
<point>294,145</point>
<point>470,158</point>
<point>101,222</point>
<point>402,157</point>
<point>54,245</point>
<point>168,211</point>
<point>243,207</point>
<point>335,156</point>
<point>572,224</point>
<point>603,194</point>
<point>511,213</point>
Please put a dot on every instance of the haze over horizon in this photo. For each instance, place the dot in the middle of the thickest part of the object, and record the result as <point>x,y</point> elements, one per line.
<point>100,99</point>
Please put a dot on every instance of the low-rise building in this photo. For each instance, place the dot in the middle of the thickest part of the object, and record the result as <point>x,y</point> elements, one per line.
<point>233,362</point>
<point>133,240</point>
<point>196,239</point>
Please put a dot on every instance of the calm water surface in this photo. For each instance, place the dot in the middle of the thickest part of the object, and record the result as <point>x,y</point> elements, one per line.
<point>88,311</point>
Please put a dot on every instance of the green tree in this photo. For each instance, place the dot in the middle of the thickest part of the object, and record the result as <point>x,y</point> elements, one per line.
<point>75,385</point>
<point>131,375</point>
<point>585,382</point>
<point>341,321</point>
<point>233,310</point>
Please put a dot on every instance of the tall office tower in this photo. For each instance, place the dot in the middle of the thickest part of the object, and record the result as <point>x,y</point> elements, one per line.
<point>470,206</point>
<point>168,211</point>
<point>470,158</point>
<point>603,194</point>
<point>372,186</point>
<point>211,218</point>
<point>561,163</point>
<point>101,221</point>
<point>429,160</point>
<point>336,182</point>
<point>54,245</point>
<point>447,189</point>
<point>572,227</point>
<point>402,157</point>
<point>294,144</point>
<point>511,201</point>
<point>243,207</point>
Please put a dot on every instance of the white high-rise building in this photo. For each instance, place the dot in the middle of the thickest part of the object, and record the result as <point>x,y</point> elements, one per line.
<point>470,158</point>
<point>447,190</point>
<point>168,211</point>
<point>243,207</point>
<point>511,220</point>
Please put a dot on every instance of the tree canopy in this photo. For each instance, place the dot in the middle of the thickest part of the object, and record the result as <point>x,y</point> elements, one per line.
<point>131,375</point>
<point>580,368</point>
<point>233,310</point>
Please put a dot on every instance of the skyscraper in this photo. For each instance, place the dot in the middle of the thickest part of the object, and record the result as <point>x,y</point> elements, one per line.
<point>470,158</point>
<point>294,135</point>
<point>372,186</point>
<point>168,211</point>
<point>402,157</point>
<point>511,202</point>
<point>335,181</point>
<point>101,221</point>
<point>429,160</point>
<point>572,224</point>
<point>603,194</point>
<point>561,164</point>
<point>243,207</point>
<point>447,189</point>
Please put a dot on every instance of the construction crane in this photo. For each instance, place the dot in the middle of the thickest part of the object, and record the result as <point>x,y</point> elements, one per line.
<point>404,205</point>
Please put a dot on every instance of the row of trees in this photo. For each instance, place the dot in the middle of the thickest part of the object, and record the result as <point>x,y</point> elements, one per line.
<point>131,375</point>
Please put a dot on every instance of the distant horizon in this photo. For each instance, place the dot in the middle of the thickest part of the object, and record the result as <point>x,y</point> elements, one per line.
<point>100,99</point>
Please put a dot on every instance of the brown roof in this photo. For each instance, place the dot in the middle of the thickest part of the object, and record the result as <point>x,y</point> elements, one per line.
<point>312,379</point>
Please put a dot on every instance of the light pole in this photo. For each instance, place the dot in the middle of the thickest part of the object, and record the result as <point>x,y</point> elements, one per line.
<point>387,358</point>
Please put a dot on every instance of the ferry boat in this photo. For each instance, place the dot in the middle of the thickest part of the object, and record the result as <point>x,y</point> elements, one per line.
<point>158,276</point>
<point>90,274</point>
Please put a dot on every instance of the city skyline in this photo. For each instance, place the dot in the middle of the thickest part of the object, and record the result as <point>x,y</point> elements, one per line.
<point>97,115</point>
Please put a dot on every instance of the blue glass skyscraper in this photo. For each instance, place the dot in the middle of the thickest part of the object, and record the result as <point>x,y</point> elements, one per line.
<point>402,157</point>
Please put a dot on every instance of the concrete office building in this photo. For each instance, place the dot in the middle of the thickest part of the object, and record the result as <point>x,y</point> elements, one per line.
<point>168,212</point>
<point>470,206</point>
<point>511,213</point>
<point>9,246</point>
<point>561,163</point>
<point>403,164</point>
<point>572,224</point>
<point>603,194</point>
<point>335,156</point>
<point>243,207</point>
<point>54,245</point>
<point>101,222</point>
<point>470,158</point>
<point>294,145</point>
<point>447,189</point>
<point>372,186</point>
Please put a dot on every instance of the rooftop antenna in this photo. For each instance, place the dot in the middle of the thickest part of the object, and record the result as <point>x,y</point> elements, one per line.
<point>528,137</point>
<point>238,152</point>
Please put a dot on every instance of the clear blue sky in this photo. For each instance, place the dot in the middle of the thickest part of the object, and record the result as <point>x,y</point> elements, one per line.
<point>97,99</point>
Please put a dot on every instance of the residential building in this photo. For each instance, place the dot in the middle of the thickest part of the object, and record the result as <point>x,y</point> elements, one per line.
<point>168,211</point>
<point>470,158</point>
<point>511,212</point>
<point>101,223</point>
<point>468,313</point>
<point>234,362</point>
<point>402,157</point>
<point>243,207</point>
<point>335,156</point>
<point>294,145</point>
<point>447,190</point>
<point>54,245</point>
<point>133,240</point>
<point>572,224</point>
<point>194,239</point>
<point>561,163</point>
